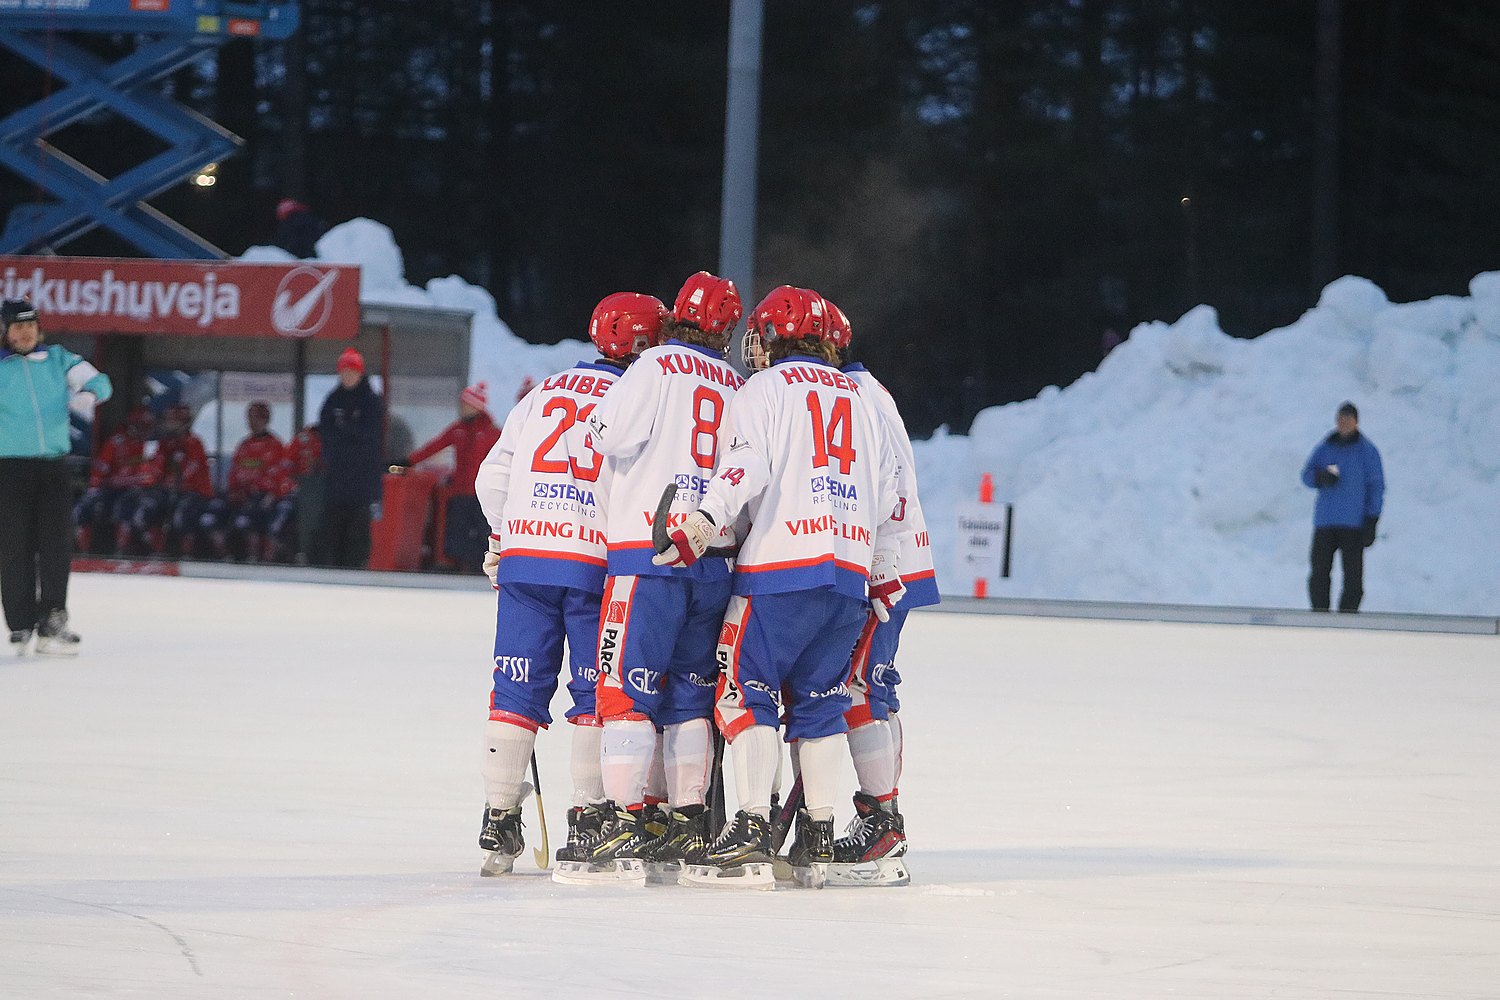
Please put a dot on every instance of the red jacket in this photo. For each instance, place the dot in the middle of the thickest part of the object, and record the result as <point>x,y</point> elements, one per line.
<point>304,453</point>
<point>181,464</point>
<point>471,439</point>
<point>122,463</point>
<point>257,467</point>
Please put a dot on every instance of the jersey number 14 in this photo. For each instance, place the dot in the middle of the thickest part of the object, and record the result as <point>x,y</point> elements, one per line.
<point>835,438</point>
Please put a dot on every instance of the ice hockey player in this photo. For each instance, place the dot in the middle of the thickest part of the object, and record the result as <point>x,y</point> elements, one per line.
<point>808,458</point>
<point>257,483</point>
<point>878,831</point>
<point>659,425</point>
<point>119,477</point>
<point>183,488</point>
<point>543,488</point>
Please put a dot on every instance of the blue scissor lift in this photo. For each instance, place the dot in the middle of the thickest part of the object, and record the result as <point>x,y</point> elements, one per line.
<point>172,33</point>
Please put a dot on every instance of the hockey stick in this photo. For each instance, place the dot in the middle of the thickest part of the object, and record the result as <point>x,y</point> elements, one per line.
<point>781,823</point>
<point>715,796</point>
<point>659,540</point>
<point>541,855</point>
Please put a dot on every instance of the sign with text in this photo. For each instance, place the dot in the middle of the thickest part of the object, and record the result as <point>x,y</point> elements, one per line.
<point>299,300</point>
<point>984,541</point>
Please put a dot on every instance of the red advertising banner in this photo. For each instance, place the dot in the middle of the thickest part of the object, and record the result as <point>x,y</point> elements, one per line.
<point>303,299</point>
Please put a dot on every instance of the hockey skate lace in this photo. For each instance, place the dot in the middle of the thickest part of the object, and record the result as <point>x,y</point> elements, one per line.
<point>856,827</point>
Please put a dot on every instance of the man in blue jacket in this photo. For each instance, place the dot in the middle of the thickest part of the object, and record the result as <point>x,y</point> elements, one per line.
<point>37,385</point>
<point>1345,470</point>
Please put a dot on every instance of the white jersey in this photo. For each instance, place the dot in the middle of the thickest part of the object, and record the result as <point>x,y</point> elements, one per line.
<point>917,572</point>
<point>811,464</point>
<point>543,485</point>
<point>658,425</point>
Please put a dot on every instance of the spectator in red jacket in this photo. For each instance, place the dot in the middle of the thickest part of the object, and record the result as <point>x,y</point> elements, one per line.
<point>466,538</point>
<point>118,478</point>
<point>257,482</point>
<point>304,465</point>
<point>173,507</point>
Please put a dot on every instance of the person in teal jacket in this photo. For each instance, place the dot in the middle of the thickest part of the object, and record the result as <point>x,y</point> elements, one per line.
<point>38,385</point>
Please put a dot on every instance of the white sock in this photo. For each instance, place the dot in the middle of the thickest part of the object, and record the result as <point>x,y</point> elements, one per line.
<point>821,760</point>
<point>688,752</point>
<point>776,781</point>
<point>625,753</point>
<point>507,751</point>
<point>874,757</point>
<point>656,779</point>
<point>755,752</point>
<point>898,747</point>
<point>588,785</point>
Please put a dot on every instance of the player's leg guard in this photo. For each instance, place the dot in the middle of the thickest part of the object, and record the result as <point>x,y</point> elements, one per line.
<point>508,742</point>
<point>874,754</point>
<point>626,751</point>
<point>688,753</point>
<point>822,759</point>
<point>755,751</point>
<point>588,782</point>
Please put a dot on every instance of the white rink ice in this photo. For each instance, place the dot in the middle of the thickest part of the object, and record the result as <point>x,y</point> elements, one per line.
<point>270,790</point>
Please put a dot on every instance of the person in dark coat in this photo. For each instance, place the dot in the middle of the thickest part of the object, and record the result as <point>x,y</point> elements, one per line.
<point>1345,469</point>
<point>298,229</point>
<point>350,424</point>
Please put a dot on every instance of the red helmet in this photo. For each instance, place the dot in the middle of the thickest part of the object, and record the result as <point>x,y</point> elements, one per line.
<point>626,323</point>
<point>791,312</point>
<point>839,331</point>
<point>709,302</point>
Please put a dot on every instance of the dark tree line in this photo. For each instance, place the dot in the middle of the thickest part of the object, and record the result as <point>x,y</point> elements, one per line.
<point>985,186</point>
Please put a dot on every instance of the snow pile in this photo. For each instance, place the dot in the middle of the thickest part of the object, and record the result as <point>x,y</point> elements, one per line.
<point>1170,475</point>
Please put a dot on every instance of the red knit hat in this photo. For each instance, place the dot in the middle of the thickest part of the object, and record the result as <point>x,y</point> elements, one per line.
<point>352,359</point>
<point>476,396</point>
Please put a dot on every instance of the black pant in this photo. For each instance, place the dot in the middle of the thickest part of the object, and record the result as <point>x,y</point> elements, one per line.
<point>467,533</point>
<point>1348,542</point>
<point>36,538</point>
<point>346,534</point>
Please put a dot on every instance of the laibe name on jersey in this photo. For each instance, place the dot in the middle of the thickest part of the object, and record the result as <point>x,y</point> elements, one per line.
<point>583,385</point>
<point>818,375</point>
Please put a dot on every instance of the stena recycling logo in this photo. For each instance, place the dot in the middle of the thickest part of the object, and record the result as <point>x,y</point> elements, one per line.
<point>304,301</point>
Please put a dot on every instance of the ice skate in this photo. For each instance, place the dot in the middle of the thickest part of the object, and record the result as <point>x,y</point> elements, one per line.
<point>685,838</point>
<point>615,859</point>
<point>20,640</point>
<point>812,851</point>
<point>54,638</point>
<point>872,848</point>
<point>500,836</point>
<point>585,830</point>
<point>740,857</point>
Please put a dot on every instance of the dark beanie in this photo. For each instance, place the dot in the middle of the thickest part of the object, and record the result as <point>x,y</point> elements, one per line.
<point>1349,408</point>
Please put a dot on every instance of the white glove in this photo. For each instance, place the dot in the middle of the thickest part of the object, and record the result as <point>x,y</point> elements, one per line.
<point>688,541</point>
<point>492,561</point>
<point>83,403</point>
<point>886,587</point>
